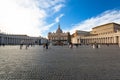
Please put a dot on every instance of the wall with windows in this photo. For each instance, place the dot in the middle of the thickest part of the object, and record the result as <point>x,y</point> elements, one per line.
<point>104,34</point>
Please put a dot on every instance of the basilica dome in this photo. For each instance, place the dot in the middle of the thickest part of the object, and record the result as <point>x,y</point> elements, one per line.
<point>59,30</point>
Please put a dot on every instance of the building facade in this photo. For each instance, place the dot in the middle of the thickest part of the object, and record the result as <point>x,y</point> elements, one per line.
<point>10,39</point>
<point>59,37</point>
<point>104,34</point>
<point>78,33</point>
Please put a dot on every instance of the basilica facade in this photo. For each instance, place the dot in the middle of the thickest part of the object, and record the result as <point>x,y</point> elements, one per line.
<point>59,37</point>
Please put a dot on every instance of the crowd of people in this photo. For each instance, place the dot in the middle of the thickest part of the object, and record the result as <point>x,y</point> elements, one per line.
<point>70,45</point>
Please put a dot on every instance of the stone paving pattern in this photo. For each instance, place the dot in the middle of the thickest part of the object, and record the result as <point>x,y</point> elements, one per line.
<point>60,63</point>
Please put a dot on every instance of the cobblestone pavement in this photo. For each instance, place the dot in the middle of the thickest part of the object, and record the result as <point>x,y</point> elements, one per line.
<point>60,63</point>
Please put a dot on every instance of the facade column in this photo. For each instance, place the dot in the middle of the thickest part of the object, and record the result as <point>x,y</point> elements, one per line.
<point>2,40</point>
<point>101,40</point>
<point>104,40</point>
<point>112,40</point>
<point>119,41</point>
<point>115,39</point>
<point>98,40</point>
<point>107,40</point>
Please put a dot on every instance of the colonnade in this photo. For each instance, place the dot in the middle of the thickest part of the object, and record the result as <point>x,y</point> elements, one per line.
<point>100,39</point>
<point>6,39</point>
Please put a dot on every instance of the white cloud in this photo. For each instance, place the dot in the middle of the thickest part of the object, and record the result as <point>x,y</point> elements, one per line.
<point>58,18</point>
<point>58,7</point>
<point>106,17</point>
<point>47,3</point>
<point>26,16</point>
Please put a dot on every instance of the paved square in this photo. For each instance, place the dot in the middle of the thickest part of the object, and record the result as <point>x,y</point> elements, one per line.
<point>60,63</point>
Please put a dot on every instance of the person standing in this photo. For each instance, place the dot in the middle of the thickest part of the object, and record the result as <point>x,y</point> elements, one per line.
<point>46,45</point>
<point>71,45</point>
<point>21,44</point>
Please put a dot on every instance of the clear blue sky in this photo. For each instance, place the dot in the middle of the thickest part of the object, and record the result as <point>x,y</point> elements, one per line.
<point>38,17</point>
<point>77,11</point>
